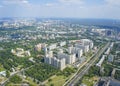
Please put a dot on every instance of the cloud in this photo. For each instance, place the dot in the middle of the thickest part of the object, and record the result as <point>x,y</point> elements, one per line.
<point>7,2</point>
<point>61,8</point>
<point>25,1</point>
<point>71,1</point>
<point>50,4</point>
<point>113,2</point>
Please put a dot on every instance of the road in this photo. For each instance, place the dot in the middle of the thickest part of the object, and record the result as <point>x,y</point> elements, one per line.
<point>79,75</point>
<point>3,83</point>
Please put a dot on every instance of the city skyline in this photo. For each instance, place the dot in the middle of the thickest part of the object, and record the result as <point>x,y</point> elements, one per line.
<point>108,9</point>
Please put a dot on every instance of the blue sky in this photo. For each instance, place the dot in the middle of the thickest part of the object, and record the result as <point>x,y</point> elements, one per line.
<point>61,8</point>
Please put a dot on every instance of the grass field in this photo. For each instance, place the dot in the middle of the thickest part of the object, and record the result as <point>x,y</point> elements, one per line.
<point>2,79</point>
<point>89,81</point>
<point>31,82</point>
<point>1,68</point>
<point>27,80</point>
<point>57,81</point>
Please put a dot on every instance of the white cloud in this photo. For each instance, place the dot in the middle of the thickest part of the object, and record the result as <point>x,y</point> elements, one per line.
<point>25,1</point>
<point>71,1</point>
<point>7,2</point>
<point>62,8</point>
<point>50,4</point>
<point>113,2</point>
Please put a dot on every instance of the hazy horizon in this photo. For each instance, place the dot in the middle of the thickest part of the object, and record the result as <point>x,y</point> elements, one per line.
<point>93,9</point>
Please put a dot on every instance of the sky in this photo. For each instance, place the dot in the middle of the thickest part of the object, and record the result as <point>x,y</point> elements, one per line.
<point>107,9</point>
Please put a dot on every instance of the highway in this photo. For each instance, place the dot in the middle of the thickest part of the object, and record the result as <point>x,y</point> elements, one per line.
<point>81,73</point>
<point>78,75</point>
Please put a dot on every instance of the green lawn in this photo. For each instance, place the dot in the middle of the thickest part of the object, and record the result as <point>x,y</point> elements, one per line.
<point>57,81</point>
<point>31,82</point>
<point>28,80</point>
<point>2,79</point>
<point>1,68</point>
<point>89,81</point>
<point>89,54</point>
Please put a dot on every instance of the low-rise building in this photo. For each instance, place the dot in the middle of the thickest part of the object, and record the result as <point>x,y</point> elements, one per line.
<point>38,47</point>
<point>110,58</point>
<point>108,82</point>
<point>62,43</point>
<point>20,52</point>
<point>3,73</point>
<point>52,46</point>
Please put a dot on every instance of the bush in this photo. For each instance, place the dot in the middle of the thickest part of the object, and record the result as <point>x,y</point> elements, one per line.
<point>16,79</point>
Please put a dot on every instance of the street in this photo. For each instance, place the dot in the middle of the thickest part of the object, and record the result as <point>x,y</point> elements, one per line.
<point>3,83</point>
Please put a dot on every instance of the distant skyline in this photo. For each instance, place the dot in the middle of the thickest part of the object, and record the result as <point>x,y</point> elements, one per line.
<point>107,9</point>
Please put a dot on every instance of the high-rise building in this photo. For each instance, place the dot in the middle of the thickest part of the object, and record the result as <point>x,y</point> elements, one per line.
<point>62,64</point>
<point>85,48</point>
<point>71,56</point>
<point>80,53</point>
<point>58,63</point>
<point>47,60</point>
<point>70,50</point>
<point>50,53</point>
<point>46,51</point>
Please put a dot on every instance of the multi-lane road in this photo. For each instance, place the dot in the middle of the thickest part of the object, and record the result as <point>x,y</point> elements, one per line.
<point>80,74</point>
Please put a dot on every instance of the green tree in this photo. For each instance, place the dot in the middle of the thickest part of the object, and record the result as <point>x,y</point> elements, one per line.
<point>49,80</point>
<point>16,79</point>
<point>7,74</point>
<point>51,84</point>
